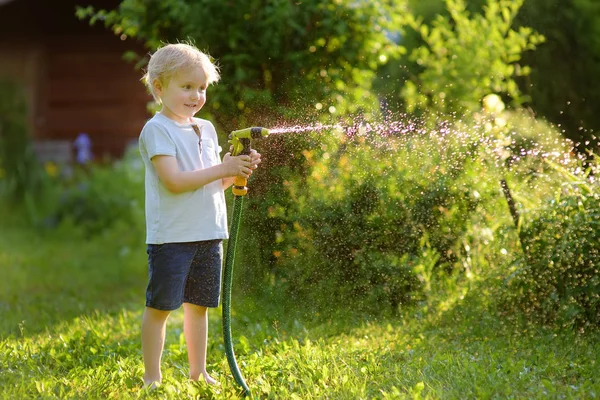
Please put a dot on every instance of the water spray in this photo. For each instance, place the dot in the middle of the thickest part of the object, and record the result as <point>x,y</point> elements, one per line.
<point>241,142</point>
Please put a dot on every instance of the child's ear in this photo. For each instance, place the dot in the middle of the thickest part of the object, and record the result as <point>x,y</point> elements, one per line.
<point>158,87</point>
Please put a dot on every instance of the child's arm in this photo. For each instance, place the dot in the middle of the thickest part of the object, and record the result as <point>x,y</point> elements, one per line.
<point>177,181</point>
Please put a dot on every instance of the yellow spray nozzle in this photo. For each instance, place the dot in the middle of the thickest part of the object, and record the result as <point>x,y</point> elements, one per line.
<point>240,139</point>
<point>250,133</point>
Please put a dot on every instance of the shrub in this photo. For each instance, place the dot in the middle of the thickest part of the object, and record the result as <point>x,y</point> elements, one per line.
<point>375,216</point>
<point>21,175</point>
<point>466,56</point>
<point>103,195</point>
<point>371,219</point>
<point>558,280</point>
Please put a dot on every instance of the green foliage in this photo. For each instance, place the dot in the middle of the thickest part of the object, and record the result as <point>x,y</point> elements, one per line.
<point>102,195</point>
<point>517,135</point>
<point>558,281</point>
<point>387,215</point>
<point>277,58</point>
<point>555,280</point>
<point>466,56</point>
<point>92,199</point>
<point>21,176</point>
<point>268,198</point>
<point>374,220</point>
<point>392,76</point>
<point>427,9</point>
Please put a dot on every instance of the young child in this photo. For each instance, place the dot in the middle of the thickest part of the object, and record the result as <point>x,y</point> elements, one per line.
<point>186,218</point>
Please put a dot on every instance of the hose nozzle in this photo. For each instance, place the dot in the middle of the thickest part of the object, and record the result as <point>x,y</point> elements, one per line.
<point>241,141</point>
<point>250,133</point>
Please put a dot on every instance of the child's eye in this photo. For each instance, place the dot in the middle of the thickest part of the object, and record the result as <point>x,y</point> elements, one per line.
<point>187,87</point>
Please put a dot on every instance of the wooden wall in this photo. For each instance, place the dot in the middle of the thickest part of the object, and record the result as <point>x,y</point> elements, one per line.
<point>74,75</point>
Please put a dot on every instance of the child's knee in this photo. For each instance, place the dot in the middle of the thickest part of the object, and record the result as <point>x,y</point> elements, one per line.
<point>195,309</point>
<point>156,313</point>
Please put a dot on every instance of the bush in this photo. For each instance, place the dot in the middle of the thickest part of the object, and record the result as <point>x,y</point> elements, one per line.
<point>466,56</point>
<point>370,220</point>
<point>22,177</point>
<point>103,195</point>
<point>557,281</point>
<point>395,214</point>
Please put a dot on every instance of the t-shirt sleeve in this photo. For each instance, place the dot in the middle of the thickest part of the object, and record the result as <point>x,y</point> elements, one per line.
<point>157,141</point>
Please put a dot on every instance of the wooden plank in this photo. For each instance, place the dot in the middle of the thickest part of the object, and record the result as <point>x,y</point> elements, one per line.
<point>106,65</point>
<point>79,118</point>
<point>84,89</point>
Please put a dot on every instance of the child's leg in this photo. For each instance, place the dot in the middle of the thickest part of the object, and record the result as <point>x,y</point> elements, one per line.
<point>195,328</point>
<point>154,325</point>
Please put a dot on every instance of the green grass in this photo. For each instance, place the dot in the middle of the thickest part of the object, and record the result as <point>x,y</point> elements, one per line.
<point>71,309</point>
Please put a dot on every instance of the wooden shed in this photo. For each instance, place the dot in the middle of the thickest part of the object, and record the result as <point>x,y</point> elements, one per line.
<point>74,74</point>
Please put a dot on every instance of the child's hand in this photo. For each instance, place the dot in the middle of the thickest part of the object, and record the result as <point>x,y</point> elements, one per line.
<point>254,159</point>
<point>238,165</point>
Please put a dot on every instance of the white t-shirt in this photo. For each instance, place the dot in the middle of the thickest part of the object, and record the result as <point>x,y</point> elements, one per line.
<point>190,216</point>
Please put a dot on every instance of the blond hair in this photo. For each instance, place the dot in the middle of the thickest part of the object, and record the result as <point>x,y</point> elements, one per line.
<point>167,60</point>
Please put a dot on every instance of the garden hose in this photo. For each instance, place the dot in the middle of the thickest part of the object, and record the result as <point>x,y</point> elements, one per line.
<point>240,141</point>
<point>238,201</point>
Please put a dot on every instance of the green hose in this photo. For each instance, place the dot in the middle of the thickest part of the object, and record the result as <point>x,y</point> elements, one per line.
<point>238,201</point>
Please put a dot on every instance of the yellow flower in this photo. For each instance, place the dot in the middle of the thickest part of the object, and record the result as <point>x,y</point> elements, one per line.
<point>51,169</point>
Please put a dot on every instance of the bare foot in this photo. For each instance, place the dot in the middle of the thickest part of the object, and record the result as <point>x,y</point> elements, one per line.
<point>150,384</point>
<point>207,378</point>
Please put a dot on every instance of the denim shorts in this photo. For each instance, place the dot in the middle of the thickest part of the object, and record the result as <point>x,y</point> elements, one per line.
<point>184,273</point>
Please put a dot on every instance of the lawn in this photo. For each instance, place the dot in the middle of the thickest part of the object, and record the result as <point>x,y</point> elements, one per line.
<point>71,309</point>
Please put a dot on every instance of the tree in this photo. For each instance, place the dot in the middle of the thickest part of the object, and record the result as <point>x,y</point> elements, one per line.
<point>277,58</point>
<point>467,56</point>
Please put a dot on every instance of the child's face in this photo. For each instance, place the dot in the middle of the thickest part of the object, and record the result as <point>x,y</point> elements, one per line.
<point>184,95</point>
